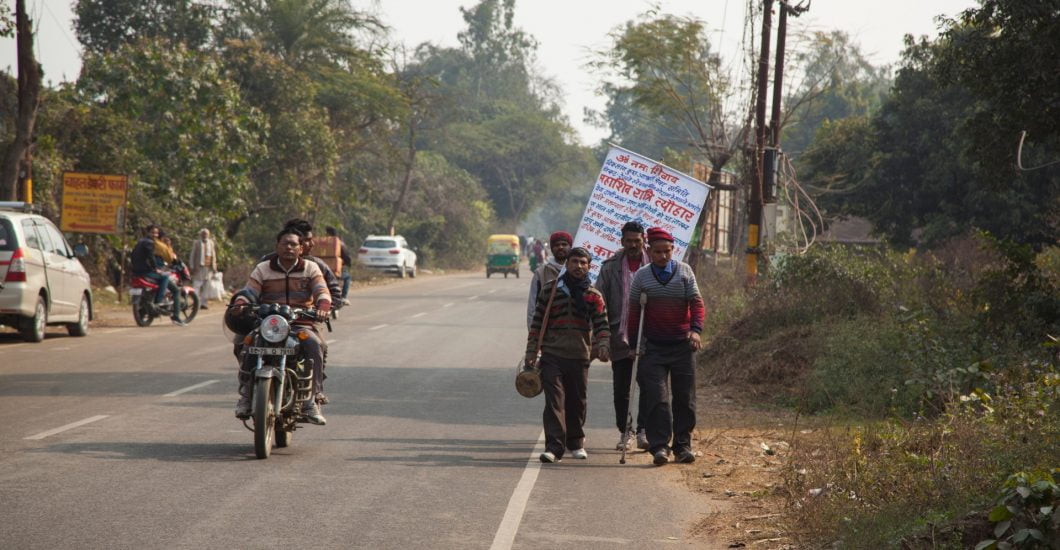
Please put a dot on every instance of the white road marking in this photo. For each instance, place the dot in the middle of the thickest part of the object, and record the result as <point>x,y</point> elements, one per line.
<point>513,516</point>
<point>475,297</point>
<point>191,388</point>
<point>492,291</point>
<point>446,305</point>
<point>69,426</point>
<point>332,342</point>
<point>377,327</point>
<point>420,314</point>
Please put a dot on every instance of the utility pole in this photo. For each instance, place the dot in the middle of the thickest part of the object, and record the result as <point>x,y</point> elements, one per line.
<point>754,214</point>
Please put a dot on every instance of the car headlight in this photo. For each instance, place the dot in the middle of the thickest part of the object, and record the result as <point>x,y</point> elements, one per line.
<point>275,328</point>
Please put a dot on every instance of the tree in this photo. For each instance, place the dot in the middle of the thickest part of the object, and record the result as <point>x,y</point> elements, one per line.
<point>29,90</point>
<point>105,25</point>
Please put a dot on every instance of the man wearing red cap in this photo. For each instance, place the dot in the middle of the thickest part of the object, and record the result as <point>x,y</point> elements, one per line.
<point>673,319</point>
<point>560,243</point>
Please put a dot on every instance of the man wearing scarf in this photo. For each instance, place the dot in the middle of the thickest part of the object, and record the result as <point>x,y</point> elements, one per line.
<point>613,283</point>
<point>576,332</point>
<point>673,319</point>
<point>559,243</point>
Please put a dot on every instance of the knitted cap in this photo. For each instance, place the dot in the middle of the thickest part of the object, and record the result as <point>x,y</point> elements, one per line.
<point>659,234</point>
<point>560,236</point>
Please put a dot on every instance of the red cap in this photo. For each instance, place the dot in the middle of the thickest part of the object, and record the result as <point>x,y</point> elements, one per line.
<point>560,236</point>
<point>659,234</point>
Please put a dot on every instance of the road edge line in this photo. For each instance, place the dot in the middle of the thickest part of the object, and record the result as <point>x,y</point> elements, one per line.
<point>513,515</point>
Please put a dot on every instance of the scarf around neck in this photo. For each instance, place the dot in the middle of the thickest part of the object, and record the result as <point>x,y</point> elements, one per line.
<point>577,288</point>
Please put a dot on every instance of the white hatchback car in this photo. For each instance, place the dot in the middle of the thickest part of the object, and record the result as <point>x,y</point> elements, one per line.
<point>41,281</point>
<point>390,254</point>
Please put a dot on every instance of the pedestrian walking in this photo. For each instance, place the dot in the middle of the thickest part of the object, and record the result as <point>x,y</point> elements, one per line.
<point>344,255</point>
<point>575,332</point>
<point>559,243</point>
<point>673,320</point>
<point>616,273</point>
<point>203,265</point>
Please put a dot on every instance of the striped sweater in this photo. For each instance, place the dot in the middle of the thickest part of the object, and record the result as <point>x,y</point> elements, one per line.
<point>302,286</point>
<point>568,334</point>
<point>674,309</point>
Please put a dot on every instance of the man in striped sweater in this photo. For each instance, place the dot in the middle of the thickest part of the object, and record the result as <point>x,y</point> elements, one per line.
<point>575,332</point>
<point>673,319</point>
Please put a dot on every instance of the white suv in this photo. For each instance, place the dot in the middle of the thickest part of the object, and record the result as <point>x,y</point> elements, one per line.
<point>41,281</point>
<point>391,254</point>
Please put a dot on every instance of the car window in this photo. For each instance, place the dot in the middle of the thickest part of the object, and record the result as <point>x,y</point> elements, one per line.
<point>58,243</point>
<point>7,235</point>
<point>29,233</point>
<point>379,243</point>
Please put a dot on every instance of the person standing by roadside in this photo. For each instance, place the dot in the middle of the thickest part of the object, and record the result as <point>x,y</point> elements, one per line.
<point>203,263</point>
<point>673,320</point>
<point>613,283</point>
<point>574,334</point>
<point>344,255</point>
<point>560,243</point>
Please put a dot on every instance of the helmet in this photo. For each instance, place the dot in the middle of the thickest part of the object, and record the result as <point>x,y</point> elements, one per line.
<point>239,318</point>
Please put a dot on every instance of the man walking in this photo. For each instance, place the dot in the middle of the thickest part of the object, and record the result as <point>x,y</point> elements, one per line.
<point>560,243</point>
<point>613,283</point>
<point>673,319</point>
<point>574,333</point>
<point>203,264</point>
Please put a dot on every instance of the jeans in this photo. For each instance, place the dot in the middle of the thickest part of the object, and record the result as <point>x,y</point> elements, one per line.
<point>345,282</point>
<point>164,281</point>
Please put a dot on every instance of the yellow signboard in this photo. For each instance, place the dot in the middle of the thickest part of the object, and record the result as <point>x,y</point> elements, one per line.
<point>93,203</point>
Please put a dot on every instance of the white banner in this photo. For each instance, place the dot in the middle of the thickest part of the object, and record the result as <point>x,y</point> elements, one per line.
<point>631,187</point>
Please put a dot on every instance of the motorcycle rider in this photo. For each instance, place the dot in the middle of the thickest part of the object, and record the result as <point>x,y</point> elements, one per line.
<point>145,265</point>
<point>289,279</point>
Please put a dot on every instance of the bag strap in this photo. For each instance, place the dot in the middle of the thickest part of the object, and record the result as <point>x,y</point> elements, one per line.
<point>544,320</point>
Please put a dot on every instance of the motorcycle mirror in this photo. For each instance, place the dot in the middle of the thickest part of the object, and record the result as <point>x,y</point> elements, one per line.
<point>80,250</point>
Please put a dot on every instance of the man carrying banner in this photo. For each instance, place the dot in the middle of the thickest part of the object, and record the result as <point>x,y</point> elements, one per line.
<point>613,282</point>
<point>673,319</point>
<point>575,333</point>
<point>560,243</point>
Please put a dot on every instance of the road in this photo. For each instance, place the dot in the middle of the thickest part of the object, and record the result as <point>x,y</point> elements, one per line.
<point>126,439</point>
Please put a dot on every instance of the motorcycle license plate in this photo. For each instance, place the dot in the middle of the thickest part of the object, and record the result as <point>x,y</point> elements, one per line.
<point>255,350</point>
<point>135,291</point>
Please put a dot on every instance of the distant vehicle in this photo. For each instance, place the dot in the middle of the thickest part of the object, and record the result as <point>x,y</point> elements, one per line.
<point>502,255</point>
<point>41,280</point>
<point>390,254</point>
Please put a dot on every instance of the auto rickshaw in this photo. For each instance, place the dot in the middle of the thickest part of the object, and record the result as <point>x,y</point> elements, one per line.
<point>502,255</point>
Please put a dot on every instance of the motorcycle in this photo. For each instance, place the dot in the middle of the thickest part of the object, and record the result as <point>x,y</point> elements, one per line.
<point>280,386</point>
<point>142,292</point>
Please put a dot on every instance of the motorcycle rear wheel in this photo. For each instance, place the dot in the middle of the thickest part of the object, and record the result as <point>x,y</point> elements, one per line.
<point>264,419</point>
<point>142,313</point>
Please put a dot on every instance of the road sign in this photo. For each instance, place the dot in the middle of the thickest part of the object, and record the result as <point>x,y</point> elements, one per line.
<point>93,203</point>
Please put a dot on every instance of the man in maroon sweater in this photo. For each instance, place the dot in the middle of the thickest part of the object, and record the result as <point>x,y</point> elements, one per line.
<point>673,319</point>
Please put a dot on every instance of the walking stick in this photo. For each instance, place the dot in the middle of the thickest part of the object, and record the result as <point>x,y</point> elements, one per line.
<point>630,435</point>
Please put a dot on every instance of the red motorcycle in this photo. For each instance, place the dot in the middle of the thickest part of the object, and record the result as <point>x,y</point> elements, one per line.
<point>142,291</point>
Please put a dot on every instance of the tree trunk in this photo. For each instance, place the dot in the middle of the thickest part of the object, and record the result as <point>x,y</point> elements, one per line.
<point>29,89</point>
<point>406,185</point>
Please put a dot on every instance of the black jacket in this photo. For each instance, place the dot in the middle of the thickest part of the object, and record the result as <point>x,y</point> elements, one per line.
<point>143,256</point>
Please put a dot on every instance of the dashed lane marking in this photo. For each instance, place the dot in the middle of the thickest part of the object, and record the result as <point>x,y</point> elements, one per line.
<point>191,388</point>
<point>450,304</point>
<point>475,297</point>
<point>420,314</point>
<point>69,426</point>
<point>377,327</point>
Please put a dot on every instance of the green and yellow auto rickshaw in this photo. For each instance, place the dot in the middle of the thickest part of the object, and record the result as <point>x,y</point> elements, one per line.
<point>502,255</point>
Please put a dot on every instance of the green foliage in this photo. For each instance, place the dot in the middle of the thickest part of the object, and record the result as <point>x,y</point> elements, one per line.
<point>105,25</point>
<point>1026,515</point>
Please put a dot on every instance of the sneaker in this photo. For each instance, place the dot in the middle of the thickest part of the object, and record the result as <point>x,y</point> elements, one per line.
<point>660,457</point>
<point>179,323</point>
<point>345,301</point>
<point>243,407</point>
<point>312,413</point>
<point>623,443</point>
<point>684,456</point>
<point>642,440</point>
<point>548,457</point>
<point>322,399</point>
<point>580,454</point>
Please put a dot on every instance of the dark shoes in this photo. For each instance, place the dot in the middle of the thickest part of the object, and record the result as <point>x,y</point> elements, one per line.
<point>179,323</point>
<point>660,457</point>
<point>684,456</point>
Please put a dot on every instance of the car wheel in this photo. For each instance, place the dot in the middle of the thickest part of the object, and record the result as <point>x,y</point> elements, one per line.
<point>32,328</point>
<point>80,328</point>
<point>413,271</point>
<point>403,271</point>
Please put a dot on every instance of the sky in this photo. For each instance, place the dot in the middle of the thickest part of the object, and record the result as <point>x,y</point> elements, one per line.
<point>567,31</point>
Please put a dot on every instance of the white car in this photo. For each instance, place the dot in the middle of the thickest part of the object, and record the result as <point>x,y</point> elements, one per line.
<point>390,254</point>
<point>41,281</point>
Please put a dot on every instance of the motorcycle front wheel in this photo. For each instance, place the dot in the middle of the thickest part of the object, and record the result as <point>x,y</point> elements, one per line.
<point>142,313</point>
<point>264,418</point>
<point>189,306</point>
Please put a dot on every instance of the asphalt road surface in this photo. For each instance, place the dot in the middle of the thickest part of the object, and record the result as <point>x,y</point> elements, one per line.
<point>126,439</point>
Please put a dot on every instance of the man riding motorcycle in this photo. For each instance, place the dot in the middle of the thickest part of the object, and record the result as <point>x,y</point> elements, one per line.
<point>288,279</point>
<point>146,265</point>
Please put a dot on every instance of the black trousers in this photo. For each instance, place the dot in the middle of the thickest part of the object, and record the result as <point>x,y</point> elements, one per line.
<point>565,382</point>
<point>621,375</point>
<point>670,412</point>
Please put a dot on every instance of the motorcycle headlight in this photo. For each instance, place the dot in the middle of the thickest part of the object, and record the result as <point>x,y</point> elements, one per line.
<point>275,328</point>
